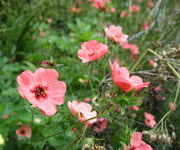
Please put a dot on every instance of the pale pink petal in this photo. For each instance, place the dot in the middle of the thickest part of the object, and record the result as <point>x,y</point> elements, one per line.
<point>56,92</point>
<point>47,108</point>
<point>84,107</point>
<point>73,107</point>
<point>26,79</point>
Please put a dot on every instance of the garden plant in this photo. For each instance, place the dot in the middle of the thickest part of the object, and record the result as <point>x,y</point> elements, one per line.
<point>89,74</point>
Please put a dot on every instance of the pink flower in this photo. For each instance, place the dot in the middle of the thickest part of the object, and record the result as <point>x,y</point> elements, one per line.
<point>49,20</point>
<point>123,80</point>
<point>115,33</point>
<point>42,89</point>
<point>25,131</point>
<point>145,26</point>
<point>100,125</point>
<point>99,3</point>
<point>149,120</point>
<point>84,111</point>
<point>76,107</point>
<point>152,63</point>
<point>172,106</point>
<point>157,88</point>
<point>124,13</point>
<point>136,142</point>
<point>92,50</point>
<point>5,116</point>
<point>42,34</point>
<point>136,108</point>
<point>134,8</point>
<point>150,3</point>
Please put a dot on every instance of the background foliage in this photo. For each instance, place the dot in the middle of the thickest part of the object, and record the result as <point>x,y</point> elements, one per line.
<point>27,39</point>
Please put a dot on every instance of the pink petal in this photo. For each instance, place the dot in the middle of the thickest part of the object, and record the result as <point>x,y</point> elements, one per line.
<point>56,92</point>
<point>26,79</point>
<point>136,139</point>
<point>73,107</point>
<point>46,76</point>
<point>47,108</point>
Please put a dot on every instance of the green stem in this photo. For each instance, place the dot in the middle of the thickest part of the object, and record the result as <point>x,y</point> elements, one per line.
<point>138,61</point>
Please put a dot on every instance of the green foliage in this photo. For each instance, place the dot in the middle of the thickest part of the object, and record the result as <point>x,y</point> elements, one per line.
<point>27,39</point>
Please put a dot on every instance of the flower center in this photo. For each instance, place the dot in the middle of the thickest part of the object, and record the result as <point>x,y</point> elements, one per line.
<point>91,53</point>
<point>40,91</point>
<point>23,132</point>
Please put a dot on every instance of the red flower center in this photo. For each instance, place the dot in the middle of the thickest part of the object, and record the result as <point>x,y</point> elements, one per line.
<point>40,91</point>
<point>22,132</point>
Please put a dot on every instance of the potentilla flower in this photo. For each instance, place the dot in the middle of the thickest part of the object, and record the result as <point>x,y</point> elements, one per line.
<point>136,108</point>
<point>49,20</point>
<point>172,106</point>
<point>123,80</point>
<point>149,120</point>
<point>115,33</point>
<point>25,131</point>
<point>136,142</point>
<point>124,13</point>
<point>5,116</point>
<point>100,125</point>
<point>83,110</point>
<point>134,8</point>
<point>76,106</point>
<point>150,3</point>
<point>100,3</point>
<point>42,89</point>
<point>145,27</point>
<point>92,50</point>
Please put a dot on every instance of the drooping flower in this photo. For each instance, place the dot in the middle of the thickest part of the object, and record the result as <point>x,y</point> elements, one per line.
<point>122,79</point>
<point>149,120</point>
<point>84,111</point>
<point>92,50</point>
<point>25,131</point>
<point>42,89</point>
<point>115,33</point>
<point>136,142</point>
<point>134,8</point>
<point>100,125</point>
